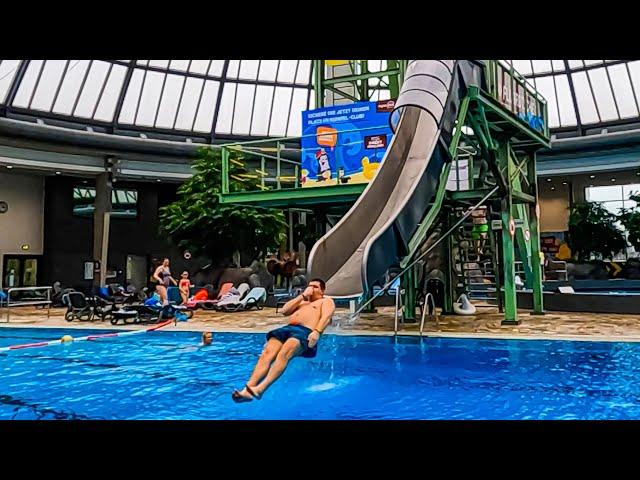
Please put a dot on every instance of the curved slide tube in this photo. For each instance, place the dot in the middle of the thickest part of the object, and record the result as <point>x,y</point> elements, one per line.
<point>375,233</point>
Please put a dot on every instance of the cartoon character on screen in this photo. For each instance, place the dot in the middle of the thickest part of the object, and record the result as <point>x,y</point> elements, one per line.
<point>324,169</point>
<point>369,169</point>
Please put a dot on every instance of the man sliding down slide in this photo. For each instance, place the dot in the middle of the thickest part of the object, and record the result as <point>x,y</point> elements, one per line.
<point>310,314</point>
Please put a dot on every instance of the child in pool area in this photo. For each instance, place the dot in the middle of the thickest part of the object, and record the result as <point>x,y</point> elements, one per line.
<point>207,338</point>
<point>184,286</point>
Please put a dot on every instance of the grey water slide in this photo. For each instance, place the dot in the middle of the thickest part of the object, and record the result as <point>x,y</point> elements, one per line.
<point>375,233</point>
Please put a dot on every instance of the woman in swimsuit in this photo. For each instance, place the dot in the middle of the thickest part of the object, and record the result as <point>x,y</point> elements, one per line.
<point>163,277</point>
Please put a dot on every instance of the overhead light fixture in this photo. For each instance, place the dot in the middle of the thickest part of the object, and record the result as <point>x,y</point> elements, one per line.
<point>613,179</point>
<point>553,188</point>
<point>564,183</point>
<point>548,179</point>
<point>9,167</point>
<point>592,176</point>
<point>158,180</point>
<point>57,173</point>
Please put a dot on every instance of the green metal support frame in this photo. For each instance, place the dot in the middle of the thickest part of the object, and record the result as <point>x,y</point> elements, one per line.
<point>499,134</point>
<point>450,277</point>
<point>497,148</point>
<point>508,243</point>
<point>291,197</point>
<point>534,212</point>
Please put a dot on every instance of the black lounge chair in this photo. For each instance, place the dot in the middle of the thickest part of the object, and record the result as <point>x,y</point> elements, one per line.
<point>78,307</point>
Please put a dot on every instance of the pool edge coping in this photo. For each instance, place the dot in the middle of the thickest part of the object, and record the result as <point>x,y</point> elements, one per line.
<point>355,332</point>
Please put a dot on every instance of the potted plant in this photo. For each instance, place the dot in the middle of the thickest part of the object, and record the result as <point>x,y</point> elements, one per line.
<point>197,221</point>
<point>593,232</point>
<point>630,218</point>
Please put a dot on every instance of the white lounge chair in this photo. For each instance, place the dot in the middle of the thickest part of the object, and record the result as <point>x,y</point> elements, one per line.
<point>255,298</point>
<point>233,297</point>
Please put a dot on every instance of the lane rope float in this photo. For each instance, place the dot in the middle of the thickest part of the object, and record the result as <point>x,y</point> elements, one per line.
<point>68,339</point>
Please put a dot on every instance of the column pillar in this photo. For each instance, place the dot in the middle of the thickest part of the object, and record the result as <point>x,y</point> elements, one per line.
<point>101,223</point>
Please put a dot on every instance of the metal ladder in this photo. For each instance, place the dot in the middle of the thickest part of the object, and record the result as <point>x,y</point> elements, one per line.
<point>477,273</point>
<point>428,306</point>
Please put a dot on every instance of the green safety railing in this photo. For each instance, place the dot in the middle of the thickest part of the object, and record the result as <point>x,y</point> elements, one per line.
<point>279,166</point>
<point>514,92</point>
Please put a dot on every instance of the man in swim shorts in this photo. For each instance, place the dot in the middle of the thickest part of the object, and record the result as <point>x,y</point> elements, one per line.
<point>480,230</point>
<point>310,314</point>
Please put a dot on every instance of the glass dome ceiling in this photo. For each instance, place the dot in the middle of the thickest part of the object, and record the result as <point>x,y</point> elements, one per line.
<point>228,97</point>
<point>256,98</point>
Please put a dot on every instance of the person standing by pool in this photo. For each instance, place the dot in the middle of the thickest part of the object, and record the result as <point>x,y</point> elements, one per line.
<point>162,275</point>
<point>310,314</point>
<point>184,286</point>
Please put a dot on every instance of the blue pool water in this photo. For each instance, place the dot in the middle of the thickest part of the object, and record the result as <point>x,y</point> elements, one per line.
<point>165,375</point>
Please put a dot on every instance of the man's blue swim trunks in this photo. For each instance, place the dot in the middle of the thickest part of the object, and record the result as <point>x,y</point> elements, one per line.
<point>296,331</point>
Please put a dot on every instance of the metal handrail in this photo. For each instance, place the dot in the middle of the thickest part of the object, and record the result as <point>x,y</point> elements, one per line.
<point>528,87</point>
<point>519,267</point>
<point>34,302</point>
<point>294,138</point>
<point>424,310</point>
<point>399,293</point>
<point>560,262</point>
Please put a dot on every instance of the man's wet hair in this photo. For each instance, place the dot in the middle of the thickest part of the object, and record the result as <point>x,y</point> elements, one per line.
<point>323,286</point>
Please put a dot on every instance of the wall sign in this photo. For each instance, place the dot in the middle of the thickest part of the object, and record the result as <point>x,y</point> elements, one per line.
<point>88,270</point>
<point>344,143</point>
